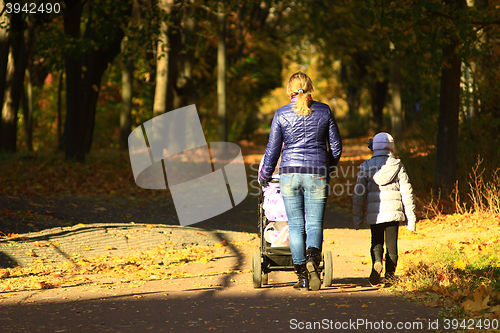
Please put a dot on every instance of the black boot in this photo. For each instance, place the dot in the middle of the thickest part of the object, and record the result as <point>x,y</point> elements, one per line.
<point>303,283</point>
<point>391,261</point>
<point>377,252</point>
<point>313,256</point>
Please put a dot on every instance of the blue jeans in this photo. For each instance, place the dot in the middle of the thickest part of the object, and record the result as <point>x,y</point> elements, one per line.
<point>305,200</point>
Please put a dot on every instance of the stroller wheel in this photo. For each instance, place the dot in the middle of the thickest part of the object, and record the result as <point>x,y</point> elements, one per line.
<point>327,269</point>
<point>257,270</point>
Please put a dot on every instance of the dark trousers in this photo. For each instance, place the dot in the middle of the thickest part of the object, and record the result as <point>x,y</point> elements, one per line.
<point>390,231</point>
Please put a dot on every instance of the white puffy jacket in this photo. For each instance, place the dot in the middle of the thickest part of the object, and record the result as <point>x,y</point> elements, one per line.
<point>383,185</point>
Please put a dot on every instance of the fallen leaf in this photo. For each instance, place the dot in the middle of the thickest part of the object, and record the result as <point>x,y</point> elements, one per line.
<point>342,305</point>
<point>480,302</point>
<point>7,212</point>
<point>223,243</point>
<point>434,304</point>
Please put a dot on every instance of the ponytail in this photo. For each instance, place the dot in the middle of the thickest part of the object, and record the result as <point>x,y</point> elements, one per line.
<point>302,103</point>
<point>300,86</point>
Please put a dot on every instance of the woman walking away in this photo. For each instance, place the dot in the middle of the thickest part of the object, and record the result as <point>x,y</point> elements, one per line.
<point>312,147</point>
<point>385,188</point>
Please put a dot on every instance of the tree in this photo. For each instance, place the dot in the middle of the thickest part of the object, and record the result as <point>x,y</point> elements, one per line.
<point>397,110</point>
<point>255,44</point>
<point>127,96</point>
<point>27,105</point>
<point>4,54</point>
<point>449,109</point>
<point>221,75</point>
<point>87,58</point>
<point>162,59</point>
<point>128,58</point>
<point>344,31</point>
<point>20,45</point>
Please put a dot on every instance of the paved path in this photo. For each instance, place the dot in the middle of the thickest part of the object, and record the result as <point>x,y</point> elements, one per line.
<point>221,298</point>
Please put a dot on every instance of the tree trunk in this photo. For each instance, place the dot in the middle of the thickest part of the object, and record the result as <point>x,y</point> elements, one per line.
<point>162,62</point>
<point>449,106</point>
<point>18,58</point>
<point>59,110</point>
<point>27,103</point>
<point>127,94</point>
<point>378,96</point>
<point>174,94</point>
<point>221,76</point>
<point>449,111</point>
<point>352,93</point>
<point>73,128</point>
<point>4,57</point>
<point>96,64</point>
<point>188,89</point>
<point>83,92</point>
<point>397,110</point>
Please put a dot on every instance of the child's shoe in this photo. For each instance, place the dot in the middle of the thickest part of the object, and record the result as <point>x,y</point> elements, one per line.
<point>375,275</point>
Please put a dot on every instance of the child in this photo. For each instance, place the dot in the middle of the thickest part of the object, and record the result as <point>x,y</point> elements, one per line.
<point>385,188</point>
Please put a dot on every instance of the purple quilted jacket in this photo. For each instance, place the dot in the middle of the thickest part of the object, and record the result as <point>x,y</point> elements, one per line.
<point>312,143</point>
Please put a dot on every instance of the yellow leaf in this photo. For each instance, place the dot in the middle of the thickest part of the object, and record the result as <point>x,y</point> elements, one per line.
<point>364,305</point>
<point>479,303</point>
<point>342,305</point>
<point>460,264</point>
<point>495,309</point>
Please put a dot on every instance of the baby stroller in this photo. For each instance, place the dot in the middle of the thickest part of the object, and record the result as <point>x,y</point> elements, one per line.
<point>274,254</point>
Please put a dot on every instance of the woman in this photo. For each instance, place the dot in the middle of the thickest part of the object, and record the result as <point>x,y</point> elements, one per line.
<point>312,146</point>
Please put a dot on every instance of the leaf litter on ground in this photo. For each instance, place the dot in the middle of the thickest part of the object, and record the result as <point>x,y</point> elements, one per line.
<point>460,274</point>
<point>108,270</point>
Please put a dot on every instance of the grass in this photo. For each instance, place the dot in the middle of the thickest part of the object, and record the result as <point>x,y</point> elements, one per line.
<point>461,275</point>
